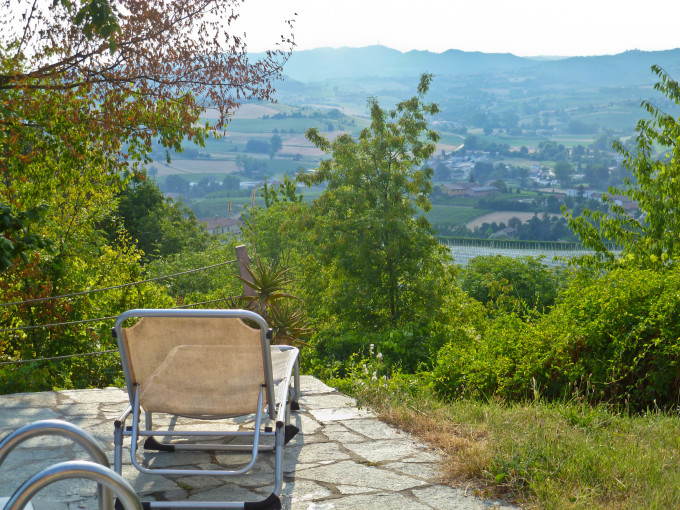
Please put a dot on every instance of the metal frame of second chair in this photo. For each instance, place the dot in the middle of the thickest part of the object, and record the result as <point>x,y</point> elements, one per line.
<point>206,364</point>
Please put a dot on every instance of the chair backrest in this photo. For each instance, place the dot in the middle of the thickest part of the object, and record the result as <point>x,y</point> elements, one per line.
<point>196,362</point>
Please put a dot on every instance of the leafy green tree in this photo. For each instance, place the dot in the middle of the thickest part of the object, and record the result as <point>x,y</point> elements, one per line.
<point>257,146</point>
<point>84,97</point>
<point>563,172</point>
<point>482,171</point>
<point>507,283</point>
<point>276,232</point>
<point>275,145</point>
<point>442,172</point>
<point>16,240</point>
<point>650,238</point>
<point>159,226</point>
<point>370,228</point>
<point>231,183</point>
<point>597,174</point>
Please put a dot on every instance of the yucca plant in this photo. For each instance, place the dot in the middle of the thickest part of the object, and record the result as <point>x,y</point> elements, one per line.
<point>274,303</point>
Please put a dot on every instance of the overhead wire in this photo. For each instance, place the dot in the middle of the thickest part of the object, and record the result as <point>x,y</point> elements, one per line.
<point>114,287</point>
<point>100,319</point>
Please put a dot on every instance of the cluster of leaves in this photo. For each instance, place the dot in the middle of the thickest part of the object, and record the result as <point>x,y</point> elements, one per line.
<point>16,240</point>
<point>507,283</point>
<point>269,298</point>
<point>612,337</point>
<point>160,226</point>
<point>87,89</point>
<point>649,240</point>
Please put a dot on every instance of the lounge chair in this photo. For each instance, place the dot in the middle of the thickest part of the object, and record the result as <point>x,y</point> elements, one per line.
<point>206,364</point>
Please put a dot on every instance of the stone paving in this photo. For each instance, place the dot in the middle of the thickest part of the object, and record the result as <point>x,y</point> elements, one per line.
<point>343,458</point>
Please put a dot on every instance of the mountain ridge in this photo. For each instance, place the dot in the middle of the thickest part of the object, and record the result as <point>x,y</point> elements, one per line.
<point>322,64</point>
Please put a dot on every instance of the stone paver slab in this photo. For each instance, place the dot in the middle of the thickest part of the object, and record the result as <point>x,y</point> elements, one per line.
<point>342,414</point>
<point>374,429</point>
<point>310,385</point>
<point>368,502</point>
<point>334,400</point>
<point>442,496</point>
<point>352,473</point>
<point>384,450</point>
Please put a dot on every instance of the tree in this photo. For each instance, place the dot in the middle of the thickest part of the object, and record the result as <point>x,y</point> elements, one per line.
<point>563,171</point>
<point>87,89</point>
<point>370,228</point>
<point>16,240</point>
<point>231,183</point>
<point>258,146</point>
<point>157,51</point>
<point>159,226</point>
<point>482,171</point>
<point>650,239</point>
<point>275,144</point>
<point>442,172</point>
<point>83,107</point>
<point>596,174</point>
<point>524,283</point>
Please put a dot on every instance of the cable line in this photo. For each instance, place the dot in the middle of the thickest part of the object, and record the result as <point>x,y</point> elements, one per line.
<point>22,361</point>
<point>100,319</point>
<point>55,324</point>
<point>82,293</point>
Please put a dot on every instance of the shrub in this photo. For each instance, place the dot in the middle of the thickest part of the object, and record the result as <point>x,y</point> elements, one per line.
<point>507,283</point>
<point>613,338</point>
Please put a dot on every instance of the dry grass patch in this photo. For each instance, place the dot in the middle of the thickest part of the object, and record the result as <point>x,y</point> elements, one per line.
<point>465,449</point>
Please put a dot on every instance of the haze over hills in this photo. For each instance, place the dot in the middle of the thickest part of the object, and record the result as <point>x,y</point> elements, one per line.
<point>624,69</point>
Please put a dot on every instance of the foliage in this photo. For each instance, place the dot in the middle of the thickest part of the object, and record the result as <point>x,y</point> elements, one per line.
<point>507,283</point>
<point>409,347</point>
<point>379,253</point>
<point>611,337</point>
<point>196,287</point>
<point>650,239</point>
<point>276,231</point>
<point>86,90</point>
<point>159,226</point>
<point>53,328</point>
<point>271,300</point>
<point>145,80</point>
<point>16,240</point>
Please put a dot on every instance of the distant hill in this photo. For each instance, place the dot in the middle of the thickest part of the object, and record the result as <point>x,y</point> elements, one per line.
<point>382,62</point>
<point>625,69</point>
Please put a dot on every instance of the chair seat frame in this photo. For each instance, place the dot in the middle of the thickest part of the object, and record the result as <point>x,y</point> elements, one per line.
<point>279,398</point>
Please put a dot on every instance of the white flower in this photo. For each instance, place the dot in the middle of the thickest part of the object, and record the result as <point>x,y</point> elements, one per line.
<point>379,356</point>
<point>370,348</point>
<point>375,376</point>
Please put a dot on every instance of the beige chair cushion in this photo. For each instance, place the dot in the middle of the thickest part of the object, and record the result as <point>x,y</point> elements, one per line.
<point>203,380</point>
<point>196,366</point>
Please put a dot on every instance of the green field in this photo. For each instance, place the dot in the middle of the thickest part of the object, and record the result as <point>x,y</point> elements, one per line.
<point>453,215</point>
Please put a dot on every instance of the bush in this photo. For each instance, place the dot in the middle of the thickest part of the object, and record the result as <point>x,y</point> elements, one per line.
<point>506,282</point>
<point>612,338</point>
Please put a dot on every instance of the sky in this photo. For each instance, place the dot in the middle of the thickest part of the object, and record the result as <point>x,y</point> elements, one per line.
<point>521,27</point>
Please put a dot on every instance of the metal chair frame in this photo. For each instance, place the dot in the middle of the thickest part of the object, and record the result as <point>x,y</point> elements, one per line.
<point>279,401</point>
